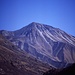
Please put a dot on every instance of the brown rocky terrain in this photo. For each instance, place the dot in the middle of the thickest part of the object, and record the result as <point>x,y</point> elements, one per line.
<point>15,62</point>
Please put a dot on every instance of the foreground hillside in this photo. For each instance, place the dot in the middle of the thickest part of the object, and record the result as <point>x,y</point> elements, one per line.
<point>15,62</point>
<point>70,70</point>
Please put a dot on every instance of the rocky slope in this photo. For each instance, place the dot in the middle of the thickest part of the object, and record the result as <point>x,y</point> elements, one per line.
<point>14,61</point>
<point>46,43</point>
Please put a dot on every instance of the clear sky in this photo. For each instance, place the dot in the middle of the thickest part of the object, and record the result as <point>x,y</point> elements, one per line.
<point>15,14</point>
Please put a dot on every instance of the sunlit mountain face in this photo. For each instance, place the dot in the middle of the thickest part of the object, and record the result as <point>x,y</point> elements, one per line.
<point>45,43</point>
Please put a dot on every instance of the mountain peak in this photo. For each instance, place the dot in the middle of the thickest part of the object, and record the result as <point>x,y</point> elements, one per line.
<point>35,24</point>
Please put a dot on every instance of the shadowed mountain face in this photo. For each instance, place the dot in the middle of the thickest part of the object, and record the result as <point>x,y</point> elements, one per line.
<point>46,43</point>
<point>70,70</point>
<point>14,61</point>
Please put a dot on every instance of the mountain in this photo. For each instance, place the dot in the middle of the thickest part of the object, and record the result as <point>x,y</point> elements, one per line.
<point>44,42</point>
<point>14,61</point>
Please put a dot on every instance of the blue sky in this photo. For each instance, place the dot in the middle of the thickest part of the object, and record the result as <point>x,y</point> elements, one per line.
<point>15,14</point>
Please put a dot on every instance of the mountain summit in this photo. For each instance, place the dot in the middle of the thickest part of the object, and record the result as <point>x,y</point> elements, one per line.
<point>46,43</point>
